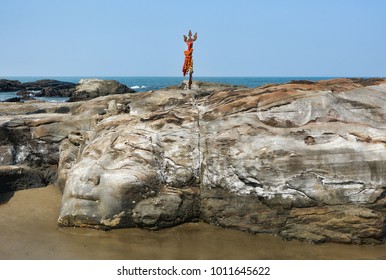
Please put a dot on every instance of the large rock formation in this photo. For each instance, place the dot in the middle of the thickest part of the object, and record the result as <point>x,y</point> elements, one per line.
<point>301,160</point>
<point>91,88</point>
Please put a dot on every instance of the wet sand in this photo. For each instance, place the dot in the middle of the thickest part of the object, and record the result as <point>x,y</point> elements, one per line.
<point>29,231</point>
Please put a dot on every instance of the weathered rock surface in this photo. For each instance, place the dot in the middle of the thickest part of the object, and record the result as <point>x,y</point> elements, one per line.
<point>204,87</point>
<point>303,160</point>
<point>91,88</point>
<point>171,207</point>
<point>306,160</point>
<point>30,136</point>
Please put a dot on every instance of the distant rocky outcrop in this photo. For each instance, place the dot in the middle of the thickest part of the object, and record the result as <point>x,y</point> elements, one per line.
<point>10,85</point>
<point>49,88</point>
<point>39,88</point>
<point>91,88</point>
<point>86,89</point>
<point>60,88</point>
<point>302,160</point>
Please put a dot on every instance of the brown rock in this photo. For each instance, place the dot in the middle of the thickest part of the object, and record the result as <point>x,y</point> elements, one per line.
<point>301,160</point>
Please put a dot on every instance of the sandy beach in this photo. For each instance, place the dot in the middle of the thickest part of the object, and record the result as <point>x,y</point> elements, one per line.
<point>29,231</point>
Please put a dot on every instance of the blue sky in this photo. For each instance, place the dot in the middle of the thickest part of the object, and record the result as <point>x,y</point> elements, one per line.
<point>235,38</point>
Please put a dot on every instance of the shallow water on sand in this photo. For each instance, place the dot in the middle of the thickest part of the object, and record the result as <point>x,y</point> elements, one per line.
<point>29,231</point>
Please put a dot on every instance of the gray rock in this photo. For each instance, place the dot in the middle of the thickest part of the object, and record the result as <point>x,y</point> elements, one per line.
<point>91,88</point>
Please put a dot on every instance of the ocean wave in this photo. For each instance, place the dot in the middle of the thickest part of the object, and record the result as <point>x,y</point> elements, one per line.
<point>137,87</point>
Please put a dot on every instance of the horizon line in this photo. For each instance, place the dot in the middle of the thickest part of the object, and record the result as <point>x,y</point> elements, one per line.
<point>182,77</point>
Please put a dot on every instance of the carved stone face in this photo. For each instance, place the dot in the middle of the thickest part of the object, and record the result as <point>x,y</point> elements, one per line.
<point>128,164</point>
<point>118,169</point>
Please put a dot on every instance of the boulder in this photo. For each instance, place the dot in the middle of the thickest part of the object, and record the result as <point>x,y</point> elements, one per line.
<point>91,88</point>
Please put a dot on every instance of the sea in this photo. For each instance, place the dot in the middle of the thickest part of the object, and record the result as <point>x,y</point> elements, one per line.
<point>142,84</point>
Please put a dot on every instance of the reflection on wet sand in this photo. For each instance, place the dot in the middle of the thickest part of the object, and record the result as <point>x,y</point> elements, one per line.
<point>29,231</point>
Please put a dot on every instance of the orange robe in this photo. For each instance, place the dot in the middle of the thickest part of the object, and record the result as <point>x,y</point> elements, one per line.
<point>188,63</point>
